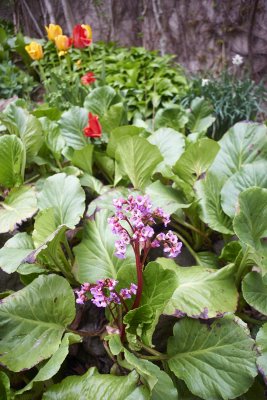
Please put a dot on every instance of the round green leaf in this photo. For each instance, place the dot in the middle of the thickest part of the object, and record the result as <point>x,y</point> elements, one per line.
<point>72,123</point>
<point>250,175</point>
<point>261,341</point>
<point>33,320</point>
<point>216,361</point>
<point>65,195</point>
<point>12,161</point>
<point>14,251</point>
<point>250,223</point>
<point>95,254</point>
<point>19,205</point>
<point>119,134</point>
<point>254,288</point>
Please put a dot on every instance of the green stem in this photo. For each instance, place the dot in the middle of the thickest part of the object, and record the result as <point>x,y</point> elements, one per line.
<point>163,357</point>
<point>183,231</point>
<point>241,268</point>
<point>249,319</point>
<point>192,227</point>
<point>68,249</point>
<point>194,254</point>
<point>150,350</point>
<point>32,178</point>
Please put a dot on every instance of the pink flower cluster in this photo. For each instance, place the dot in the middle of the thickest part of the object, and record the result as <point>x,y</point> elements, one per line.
<point>132,222</point>
<point>104,292</point>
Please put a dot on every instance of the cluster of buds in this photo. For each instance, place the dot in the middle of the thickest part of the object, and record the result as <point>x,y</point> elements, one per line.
<point>104,293</point>
<point>132,222</point>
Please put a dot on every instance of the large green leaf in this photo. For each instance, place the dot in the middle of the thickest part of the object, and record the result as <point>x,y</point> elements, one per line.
<point>72,123</point>
<point>200,117</point>
<point>159,383</point>
<point>250,175</point>
<point>118,135</point>
<point>250,223</point>
<point>244,143</point>
<point>95,254</point>
<point>65,194</point>
<point>4,387</point>
<point>216,361</point>
<point>33,320</point>
<point>52,366</point>
<point>19,205</point>
<point>170,144</point>
<point>208,191</point>
<point>12,161</point>
<point>261,341</point>
<point>254,288</point>
<point>93,385</point>
<point>83,158</point>
<point>21,123</point>
<point>138,159</point>
<point>173,116</point>
<point>196,160</point>
<point>14,251</point>
<point>166,197</point>
<point>53,137</point>
<point>201,292</point>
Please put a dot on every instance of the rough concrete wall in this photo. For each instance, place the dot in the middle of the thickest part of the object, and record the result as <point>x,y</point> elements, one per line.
<point>204,34</point>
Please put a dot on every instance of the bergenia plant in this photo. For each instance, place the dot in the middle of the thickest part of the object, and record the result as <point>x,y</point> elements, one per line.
<point>133,223</point>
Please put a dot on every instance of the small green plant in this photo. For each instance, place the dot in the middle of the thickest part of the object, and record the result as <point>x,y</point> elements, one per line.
<point>14,81</point>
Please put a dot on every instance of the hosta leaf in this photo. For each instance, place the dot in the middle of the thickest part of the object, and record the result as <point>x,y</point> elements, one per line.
<point>200,117</point>
<point>202,293</point>
<point>170,144</point>
<point>159,383</point>
<point>53,365</point>
<point>65,194</point>
<point>216,361</point>
<point>21,123</point>
<point>244,143</point>
<point>250,224</point>
<point>261,341</point>
<point>166,197</point>
<point>196,160</point>
<point>208,192</point>
<point>250,175</point>
<point>12,161</point>
<point>19,205</point>
<point>33,320</point>
<point>95,254</point>
<point>118,135</point>
<point>138,159</point>
<point>14,251</point>
<point>83,158</point>
<point>93,385</point>
<point>254,288</point>
<point>72,123</point>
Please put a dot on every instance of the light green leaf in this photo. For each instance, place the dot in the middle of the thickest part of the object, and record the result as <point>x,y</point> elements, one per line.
<point>254,288</point>
<point>72,123</point>
<point>19,205</point>
<point>200,117</point>
<point>14,251</point>
<point>174,117</point>
<point>208,193</point>
<point>261,341</point>
<point>53,365</point>
<point>138,159</point>
<point>12,161</point>
<point>105,201</point>
<point>65,194</point>
<point>166,197</point>
<point>170,144</point>
<point>33,320</point>
<point>94,184</point>
<point>95,254</point>
<point>105,165</point>
<point>4,387</point>
<point>250,224</point>
<point>250,175</point>
<point>201,292</point>
<point>216,361</point>
<point>138,320</point>
<point>83,158</point>
<point>53,138</point>
<point>118,135</point>
<point>44,226</point>
<point>244,143</point>
<point>93,385</point>
<point>21,123</point>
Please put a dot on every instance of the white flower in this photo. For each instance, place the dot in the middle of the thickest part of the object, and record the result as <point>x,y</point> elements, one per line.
<point>205,82</point>
<point>237,60</point>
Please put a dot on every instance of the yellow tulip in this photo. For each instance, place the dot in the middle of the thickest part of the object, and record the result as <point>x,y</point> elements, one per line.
<point>35,50</point>
<point>53,31</point>
<point>89,31</point>
<point>62,42</point>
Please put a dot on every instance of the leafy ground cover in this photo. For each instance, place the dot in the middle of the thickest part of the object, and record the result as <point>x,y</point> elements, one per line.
<point>140,241</point>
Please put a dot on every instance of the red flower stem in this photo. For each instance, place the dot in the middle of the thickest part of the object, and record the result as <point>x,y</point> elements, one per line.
<point>139,270</point>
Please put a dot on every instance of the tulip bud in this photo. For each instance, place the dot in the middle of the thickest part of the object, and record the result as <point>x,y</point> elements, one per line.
<point>53,31</point>
<point>34,50</point>
<point>62,42</point>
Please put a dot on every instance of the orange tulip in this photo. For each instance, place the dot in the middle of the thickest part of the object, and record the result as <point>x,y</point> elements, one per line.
<point>35,50</point>
<point>62,42</point>
<point>53,31</point>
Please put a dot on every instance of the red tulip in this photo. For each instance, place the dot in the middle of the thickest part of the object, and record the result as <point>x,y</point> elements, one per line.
<point>88,78</point>
<point>93,129</point>
<point>81,37</point>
